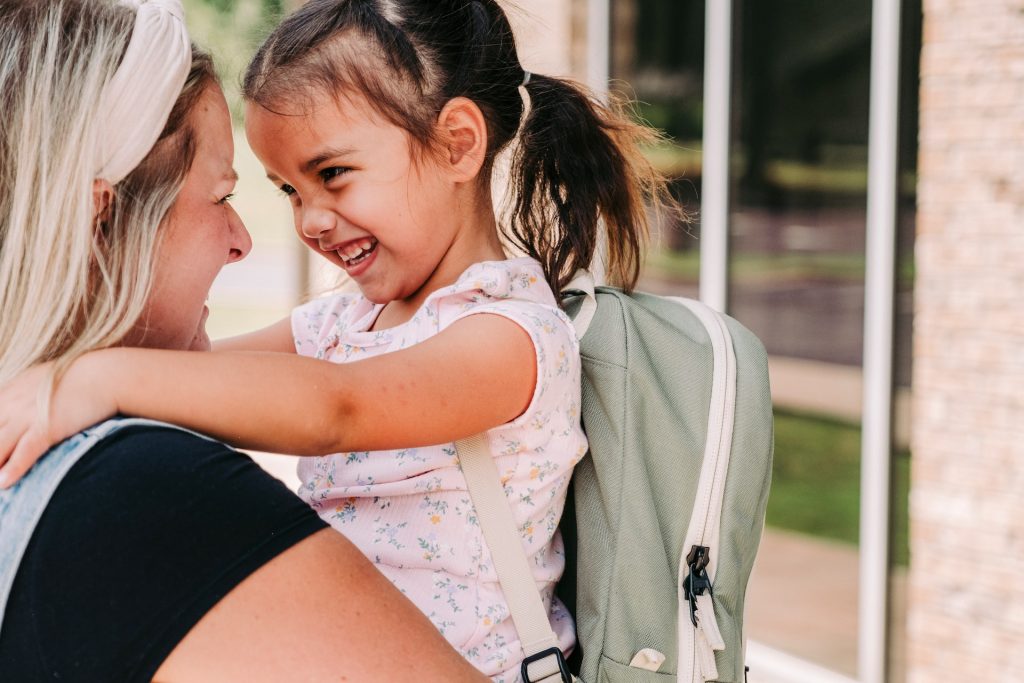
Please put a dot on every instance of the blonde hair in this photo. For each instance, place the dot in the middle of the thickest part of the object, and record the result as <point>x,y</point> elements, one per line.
<point>72,282</point>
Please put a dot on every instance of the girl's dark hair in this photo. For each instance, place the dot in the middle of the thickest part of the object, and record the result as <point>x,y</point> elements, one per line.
<point>577,161</point>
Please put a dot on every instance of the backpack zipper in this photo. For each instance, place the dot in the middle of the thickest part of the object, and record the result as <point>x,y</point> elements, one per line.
<point>699,635</point>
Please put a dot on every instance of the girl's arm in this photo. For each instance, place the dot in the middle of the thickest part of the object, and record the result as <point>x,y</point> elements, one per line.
<point>276,337</point>
<point>480,372</point>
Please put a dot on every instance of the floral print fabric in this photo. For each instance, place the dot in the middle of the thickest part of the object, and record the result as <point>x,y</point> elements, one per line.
<point>409,510</point>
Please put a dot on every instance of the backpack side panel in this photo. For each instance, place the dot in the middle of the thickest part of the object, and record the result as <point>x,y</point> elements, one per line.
<point>647,376</point>
<point>646,420</point>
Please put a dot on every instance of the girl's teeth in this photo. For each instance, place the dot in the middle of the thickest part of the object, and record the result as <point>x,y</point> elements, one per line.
<point>358,249</point>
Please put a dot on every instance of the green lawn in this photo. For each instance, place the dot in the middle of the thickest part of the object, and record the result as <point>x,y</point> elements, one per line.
<point>816,481</point>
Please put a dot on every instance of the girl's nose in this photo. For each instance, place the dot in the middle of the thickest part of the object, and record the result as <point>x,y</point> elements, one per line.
<point>314,222</point>
<point>240,243</point>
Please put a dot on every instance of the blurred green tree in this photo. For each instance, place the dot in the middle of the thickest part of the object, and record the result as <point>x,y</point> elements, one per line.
<point>232,30</point>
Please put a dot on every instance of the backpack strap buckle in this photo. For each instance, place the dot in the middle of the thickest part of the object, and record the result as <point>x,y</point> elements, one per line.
<point>564,676</point>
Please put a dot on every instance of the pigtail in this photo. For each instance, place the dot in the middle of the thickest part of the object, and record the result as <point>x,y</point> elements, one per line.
<point>578,162</point>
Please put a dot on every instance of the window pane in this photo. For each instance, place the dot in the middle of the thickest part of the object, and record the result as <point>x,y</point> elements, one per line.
<point>797,242</point>
<point>658,59</point>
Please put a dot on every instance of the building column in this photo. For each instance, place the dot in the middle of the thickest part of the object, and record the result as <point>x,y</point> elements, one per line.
<point>966,593</point>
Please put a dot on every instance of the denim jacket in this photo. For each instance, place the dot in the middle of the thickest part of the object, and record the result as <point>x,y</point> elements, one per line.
<point>22,505</point>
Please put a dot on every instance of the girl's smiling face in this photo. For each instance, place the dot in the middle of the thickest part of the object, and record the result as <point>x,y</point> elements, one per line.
<point>361,200</point>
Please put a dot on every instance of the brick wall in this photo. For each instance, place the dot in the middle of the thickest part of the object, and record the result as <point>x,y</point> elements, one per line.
<point>966,599</point>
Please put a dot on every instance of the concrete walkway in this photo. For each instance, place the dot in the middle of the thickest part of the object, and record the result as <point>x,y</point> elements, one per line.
<point>802,601</point>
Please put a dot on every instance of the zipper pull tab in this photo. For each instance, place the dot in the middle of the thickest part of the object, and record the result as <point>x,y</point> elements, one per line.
<point>697,589</point>
<point>696,581</point>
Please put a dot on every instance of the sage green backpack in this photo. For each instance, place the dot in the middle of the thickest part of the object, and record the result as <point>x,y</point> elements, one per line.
<point>667,511</point>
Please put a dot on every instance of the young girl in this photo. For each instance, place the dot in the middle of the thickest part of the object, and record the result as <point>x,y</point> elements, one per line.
<point>381,121</point>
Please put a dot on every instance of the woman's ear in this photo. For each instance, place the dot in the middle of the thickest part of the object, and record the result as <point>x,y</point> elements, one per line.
<point>102,197</point>
<point>464,130</point>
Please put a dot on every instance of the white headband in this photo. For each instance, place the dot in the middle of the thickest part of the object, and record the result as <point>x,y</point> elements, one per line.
<point>139,98</point>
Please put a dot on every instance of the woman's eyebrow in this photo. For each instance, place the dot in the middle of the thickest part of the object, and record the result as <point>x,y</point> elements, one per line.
<point>231,174</point>
<point>324,155</point>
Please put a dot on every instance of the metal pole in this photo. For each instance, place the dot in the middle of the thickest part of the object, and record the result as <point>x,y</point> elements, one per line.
<point>598,45</point>
<point>714,204</point>
<point>876,438</point>
<point>598,74</point>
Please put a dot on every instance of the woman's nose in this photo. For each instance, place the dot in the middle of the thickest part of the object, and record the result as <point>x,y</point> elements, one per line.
<point>241,241</point>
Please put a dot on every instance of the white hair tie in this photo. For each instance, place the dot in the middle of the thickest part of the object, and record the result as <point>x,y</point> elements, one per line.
<point>139,98</point>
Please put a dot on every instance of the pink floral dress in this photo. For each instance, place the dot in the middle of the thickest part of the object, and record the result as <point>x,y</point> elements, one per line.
<point>409,510</point>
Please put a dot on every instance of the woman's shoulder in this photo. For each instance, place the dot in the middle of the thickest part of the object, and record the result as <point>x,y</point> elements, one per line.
<point>152,444</point>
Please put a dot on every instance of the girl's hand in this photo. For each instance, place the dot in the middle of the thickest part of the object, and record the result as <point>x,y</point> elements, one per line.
<point>26,433</point>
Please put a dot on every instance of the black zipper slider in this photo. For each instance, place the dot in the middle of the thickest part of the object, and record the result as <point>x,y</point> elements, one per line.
<point>697,581</point>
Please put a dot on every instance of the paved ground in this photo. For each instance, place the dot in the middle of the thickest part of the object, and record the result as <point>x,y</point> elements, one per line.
<point>802,599</point>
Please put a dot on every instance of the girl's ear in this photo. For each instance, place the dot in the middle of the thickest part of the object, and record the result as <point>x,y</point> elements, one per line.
<point>102,196</point>
<point>464,130</point>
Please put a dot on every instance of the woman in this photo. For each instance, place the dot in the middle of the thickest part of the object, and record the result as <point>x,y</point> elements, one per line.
<point>136,551</point>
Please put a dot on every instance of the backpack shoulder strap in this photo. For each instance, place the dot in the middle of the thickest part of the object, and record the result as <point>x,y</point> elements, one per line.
<point>502,537</point>
<point>510,562</point>
<point>583,282</point>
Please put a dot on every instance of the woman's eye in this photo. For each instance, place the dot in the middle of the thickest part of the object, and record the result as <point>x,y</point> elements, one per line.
<point>333,172</point>
<point>227,198</point>
<point>287,190</point>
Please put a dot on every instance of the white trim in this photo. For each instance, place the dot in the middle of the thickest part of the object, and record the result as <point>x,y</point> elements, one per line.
<point>714,202</point>
<point>768,665</point>
<point>876,438</point>
<point>696,648</point>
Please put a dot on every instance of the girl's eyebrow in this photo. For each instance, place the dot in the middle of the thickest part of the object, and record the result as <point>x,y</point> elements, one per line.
<point>324,155</point>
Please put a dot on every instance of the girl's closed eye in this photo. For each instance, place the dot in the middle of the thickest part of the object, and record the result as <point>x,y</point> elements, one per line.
<point>226,198</point>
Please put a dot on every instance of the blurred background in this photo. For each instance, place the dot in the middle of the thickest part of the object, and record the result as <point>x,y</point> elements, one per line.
<point>798,183</point>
